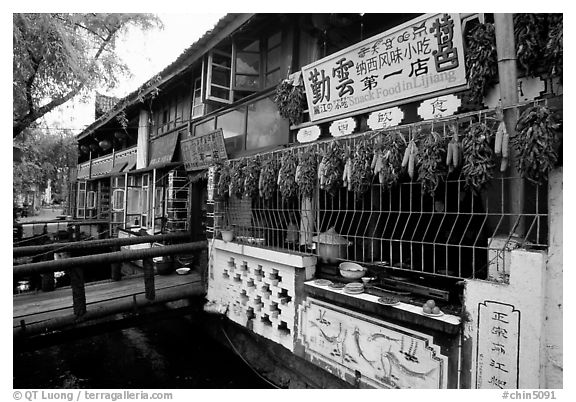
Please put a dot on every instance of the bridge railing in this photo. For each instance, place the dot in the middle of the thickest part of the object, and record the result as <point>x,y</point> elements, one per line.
<point>74,265</point>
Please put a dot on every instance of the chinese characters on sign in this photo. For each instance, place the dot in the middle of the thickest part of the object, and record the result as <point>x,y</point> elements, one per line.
<point>308,134</point>
<point>385,118</point>
<point>440,106</point>
<point>202,151</point>
<point>422,56</point>
<point>498,346</point>
<point>342,127</point>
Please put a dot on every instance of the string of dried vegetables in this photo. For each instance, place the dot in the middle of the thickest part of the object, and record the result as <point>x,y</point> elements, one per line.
<point>268,177</point>
<point>306,172</point>
<point>431,154</point>
<point>387,161</point>
<point>481,60</point>
<point>478,163</point>
<point>251,177</point>
<point>409,160</point>
<point>360,171</point>
<point>454,150</point>
<point>237,178</point>
<point>290,100</point>
<point>530,37</point>
<point>536,141</point>
<point>554,53</point>
<point>331,168</point>
<point>224,179</point>
<point>287,176</point>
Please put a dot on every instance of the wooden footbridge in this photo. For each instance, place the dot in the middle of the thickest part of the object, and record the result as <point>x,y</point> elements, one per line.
<point>81,304</point>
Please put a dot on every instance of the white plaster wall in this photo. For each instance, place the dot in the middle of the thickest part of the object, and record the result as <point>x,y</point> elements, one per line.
<point>552,348</point>
<point>233,282</point>
<point>526,292</point>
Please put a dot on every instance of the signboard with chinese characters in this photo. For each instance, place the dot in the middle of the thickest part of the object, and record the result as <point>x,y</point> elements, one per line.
<point>211,184</point>
<point>385,118</point>
<point>422,56</point>
<point>440,106</point>
<point>202,151</point>
<point>308,134</point>
<point>342,127</point>
<point>388,356</point>
<point>498,351</point>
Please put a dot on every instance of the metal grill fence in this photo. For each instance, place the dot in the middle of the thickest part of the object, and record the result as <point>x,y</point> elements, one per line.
<point>455,233</point>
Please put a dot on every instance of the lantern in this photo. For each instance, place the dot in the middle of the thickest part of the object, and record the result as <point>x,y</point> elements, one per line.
<point>93,147</point>
<point>84,149</point>
<point>105,145</point>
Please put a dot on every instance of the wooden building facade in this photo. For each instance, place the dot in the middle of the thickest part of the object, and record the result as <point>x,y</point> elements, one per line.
<point>373,139</point>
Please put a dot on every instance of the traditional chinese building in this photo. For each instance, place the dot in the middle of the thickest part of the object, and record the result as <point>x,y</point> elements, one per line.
<point>397,143</point>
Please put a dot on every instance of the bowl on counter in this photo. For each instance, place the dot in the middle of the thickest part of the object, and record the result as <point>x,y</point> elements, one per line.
<point>352,270</point>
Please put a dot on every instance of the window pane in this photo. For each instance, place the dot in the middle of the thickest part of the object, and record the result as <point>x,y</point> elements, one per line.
<point>118,200</point>
<point>133,201</point>
<point>221,77</point>
<point>265,126</point>
<point>274,40</point>
<point>248,63</point>
<point>222,60</point>
<point>248,45</point>
<point>232,123</point>
<point>204,128</point>
<point>220,93</point>
<point>273,78</point>
<point>247,82</point>
<point>273,59</point>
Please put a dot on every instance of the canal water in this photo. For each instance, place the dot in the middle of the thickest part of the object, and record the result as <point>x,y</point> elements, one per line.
<point>166,354</point>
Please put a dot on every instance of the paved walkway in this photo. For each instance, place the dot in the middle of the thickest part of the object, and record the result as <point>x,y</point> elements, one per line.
<point>45,214</point>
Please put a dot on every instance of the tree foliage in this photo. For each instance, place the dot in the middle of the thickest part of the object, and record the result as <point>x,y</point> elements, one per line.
<point>44,157</point>
<point>58,55</point>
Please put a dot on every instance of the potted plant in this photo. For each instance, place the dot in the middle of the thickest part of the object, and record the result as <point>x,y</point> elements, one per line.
<point>227,233</point>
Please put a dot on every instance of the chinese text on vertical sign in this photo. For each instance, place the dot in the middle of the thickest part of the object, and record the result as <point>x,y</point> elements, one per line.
<point>422,56</point>
<point>498,346</point>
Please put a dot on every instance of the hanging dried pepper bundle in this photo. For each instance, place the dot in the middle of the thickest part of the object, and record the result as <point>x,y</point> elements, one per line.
<point>268,178</point>
<point>224,179</point>
<point>237,178</point>
<point>331,168</point>
<point>431,154</point>
<point>360,172</point>
<point>387,161</point>
<point>287,176</point>
<point>478,157</point>
<point>251,177</point>
<point>306,172</point>
<point>481,60</point>
<point>536,141</point>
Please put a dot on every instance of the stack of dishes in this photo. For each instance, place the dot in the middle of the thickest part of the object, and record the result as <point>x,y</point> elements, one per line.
<point>354,288</point>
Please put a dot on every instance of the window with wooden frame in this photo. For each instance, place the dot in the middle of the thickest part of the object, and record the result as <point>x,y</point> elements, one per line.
<point>118,200</point>
<point>91,200</point>
<point>81,200</point>
<point>198,107</point>
<point>248,65</point>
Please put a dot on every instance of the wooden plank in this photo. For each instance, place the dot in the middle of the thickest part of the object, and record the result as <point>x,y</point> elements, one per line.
<point>61,299</point>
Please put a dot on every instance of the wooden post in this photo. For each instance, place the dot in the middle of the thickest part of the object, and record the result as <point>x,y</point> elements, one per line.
<point>78,291</point>
<point>508,79</point>
<point>149,288</point>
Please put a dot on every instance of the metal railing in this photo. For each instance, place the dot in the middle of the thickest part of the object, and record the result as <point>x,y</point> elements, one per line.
<point>456,233</point>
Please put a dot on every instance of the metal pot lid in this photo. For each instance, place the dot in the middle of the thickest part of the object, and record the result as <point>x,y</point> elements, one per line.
<point>330,237</point>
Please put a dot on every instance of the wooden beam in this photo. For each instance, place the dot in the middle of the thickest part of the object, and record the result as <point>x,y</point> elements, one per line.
<point>106,258</point>
<point>92,244</point>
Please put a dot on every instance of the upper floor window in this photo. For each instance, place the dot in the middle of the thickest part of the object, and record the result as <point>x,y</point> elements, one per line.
<point>247,65</point>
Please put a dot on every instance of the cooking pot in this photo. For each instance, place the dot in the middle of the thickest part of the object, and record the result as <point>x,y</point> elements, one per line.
<point>331,246</point>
